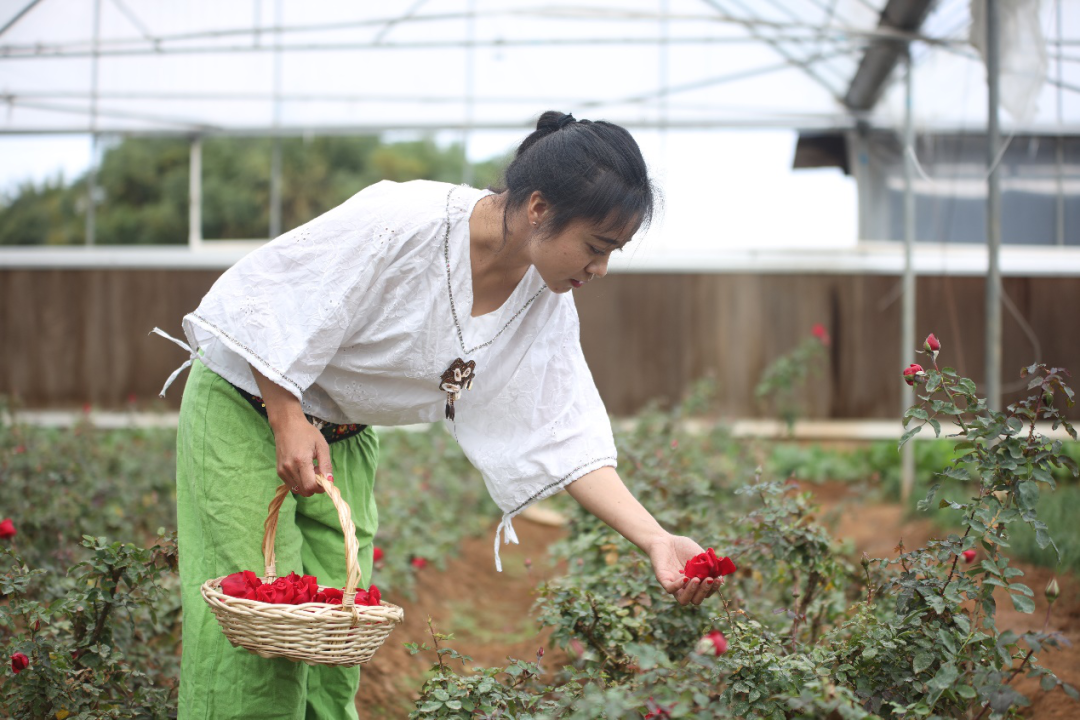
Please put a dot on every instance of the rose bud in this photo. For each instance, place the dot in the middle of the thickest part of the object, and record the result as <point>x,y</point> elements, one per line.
<point>7,529</point>
<point>419,563</point>
<point>969,556</point>
<point>821,334</point>
<point>865,561</point>
<point>1048,398</point>
<point>19,662</point>
<point>1052,590</point>
<point>377,554</point>
<point>714,643</point>
<point>912,373</point>
<point>931,344</point>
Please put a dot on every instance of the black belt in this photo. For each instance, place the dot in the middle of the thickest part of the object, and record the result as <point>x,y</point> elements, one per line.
<point>331,432</point>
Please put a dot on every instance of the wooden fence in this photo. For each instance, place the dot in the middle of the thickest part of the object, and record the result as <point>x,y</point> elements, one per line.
<point>75,336</point>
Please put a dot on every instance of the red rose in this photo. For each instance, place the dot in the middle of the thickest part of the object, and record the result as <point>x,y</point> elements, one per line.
<point>20,449</point>
<point>241,585</point>
<point>371,597</point>
<point>707,565</point>
<point>331,596</point>
<point>912,373</point>
<point>820,333</point>
<point>19,662</point>
<point>931,343</point>
<point>714,643</point>
<point>659,713</point>
<point>7,529</point>
<point>969,556</point>
<point>377,554</point>
<point>419,563</point>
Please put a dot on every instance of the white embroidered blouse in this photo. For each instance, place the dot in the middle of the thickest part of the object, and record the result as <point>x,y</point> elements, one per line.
<point>351,313</point>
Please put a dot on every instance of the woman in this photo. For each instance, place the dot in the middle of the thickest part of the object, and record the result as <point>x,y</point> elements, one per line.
<point>408,303</point>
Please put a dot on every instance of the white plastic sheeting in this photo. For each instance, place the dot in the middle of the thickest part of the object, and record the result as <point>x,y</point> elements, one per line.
<point>292,66</point>
<point>1023,57</point>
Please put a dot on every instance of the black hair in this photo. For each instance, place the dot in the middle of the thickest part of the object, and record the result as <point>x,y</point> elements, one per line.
<point>585,170</point>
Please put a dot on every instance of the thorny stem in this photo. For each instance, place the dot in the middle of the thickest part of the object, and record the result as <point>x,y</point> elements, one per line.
<point>727,610</point>
<point>956,558</point>
<point>435,639</point>
<point>945,387</point>
<point>1017,671</point>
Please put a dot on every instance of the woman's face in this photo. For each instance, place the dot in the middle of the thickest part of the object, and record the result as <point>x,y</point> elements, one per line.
<point>576,255</point>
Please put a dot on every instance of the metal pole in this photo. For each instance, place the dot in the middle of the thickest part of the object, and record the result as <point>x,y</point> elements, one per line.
<point>470,92</point>
<point>275,152</point>
<point>907,321</point>
<point>195,237</point>
<point>1060,140</point>
<point>91,175</point>
<point>993,211</point>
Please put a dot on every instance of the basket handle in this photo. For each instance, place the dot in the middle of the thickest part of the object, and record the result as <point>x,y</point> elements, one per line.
<point>344,516</point>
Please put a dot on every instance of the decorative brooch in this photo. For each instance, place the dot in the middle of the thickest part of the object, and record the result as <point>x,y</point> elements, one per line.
<point>459,376</point>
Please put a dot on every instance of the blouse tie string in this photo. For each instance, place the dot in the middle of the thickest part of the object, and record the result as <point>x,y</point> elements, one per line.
<point>180,369</point>
<point>506,527</point>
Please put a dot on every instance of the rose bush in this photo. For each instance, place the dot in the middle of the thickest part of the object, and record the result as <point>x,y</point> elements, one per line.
<point>808,633</point>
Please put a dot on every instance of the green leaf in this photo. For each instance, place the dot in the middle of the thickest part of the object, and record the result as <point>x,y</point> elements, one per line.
<point>1022,588</point>
<point>945,677</point>
<point>936,425</point>
<point>1048,682</point>
<point>966,691</point>
<point>922,660</point>
<point>911,432</point>
<point>454,704</point>
<point>1028,493</point>
<point>1070,691</point>
<point>1023,603</point>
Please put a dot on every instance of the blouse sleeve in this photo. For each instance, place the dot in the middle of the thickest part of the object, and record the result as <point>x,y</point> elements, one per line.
<point>286,307</point>
<point>546,428</point>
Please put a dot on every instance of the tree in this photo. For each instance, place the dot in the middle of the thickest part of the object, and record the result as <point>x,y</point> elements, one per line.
<point>144,187</point>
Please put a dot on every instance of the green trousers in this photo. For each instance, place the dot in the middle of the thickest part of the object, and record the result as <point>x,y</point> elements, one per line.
<point>226,476</point>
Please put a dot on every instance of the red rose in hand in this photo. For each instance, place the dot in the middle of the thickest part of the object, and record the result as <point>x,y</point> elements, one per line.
<point>707,565</point>
<point>969,556</point>
<point>241,585</point>
<point>714,643</point>
<point>7,529</point>
<point>19,662</point>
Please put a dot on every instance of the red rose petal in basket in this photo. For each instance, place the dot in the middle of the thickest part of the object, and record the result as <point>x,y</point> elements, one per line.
<point>241,585</point>
<point>707,565</point>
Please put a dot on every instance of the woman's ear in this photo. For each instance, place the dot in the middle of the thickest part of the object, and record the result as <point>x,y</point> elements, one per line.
<point>536,208</point>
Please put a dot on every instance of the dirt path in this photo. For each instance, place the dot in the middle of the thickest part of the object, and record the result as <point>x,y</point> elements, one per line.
<point>488,612</point>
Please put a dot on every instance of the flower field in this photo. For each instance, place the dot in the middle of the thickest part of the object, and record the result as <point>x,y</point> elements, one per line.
<point>947,615</point>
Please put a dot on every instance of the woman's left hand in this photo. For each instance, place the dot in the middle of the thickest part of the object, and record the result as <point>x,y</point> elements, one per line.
<point>669,556</point>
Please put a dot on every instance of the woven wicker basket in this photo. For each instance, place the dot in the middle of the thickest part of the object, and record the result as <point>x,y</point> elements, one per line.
<point>315,633</point>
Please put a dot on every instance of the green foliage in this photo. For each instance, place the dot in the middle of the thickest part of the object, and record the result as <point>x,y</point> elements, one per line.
<point>810,635</point>
<point>780,384</point>
<point>105,646</point>
<point>143,185</point>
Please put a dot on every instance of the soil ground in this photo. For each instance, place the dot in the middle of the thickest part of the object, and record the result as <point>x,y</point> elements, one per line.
<point>488,612</point>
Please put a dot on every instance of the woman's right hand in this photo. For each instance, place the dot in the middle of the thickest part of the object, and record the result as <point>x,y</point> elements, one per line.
<point>300,447</point>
